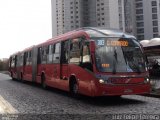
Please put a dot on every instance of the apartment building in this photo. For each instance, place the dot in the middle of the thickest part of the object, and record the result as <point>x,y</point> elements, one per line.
<point>66,15</point>
<point>71,14</point>
<point>138,17</point>
<point>147,19</point>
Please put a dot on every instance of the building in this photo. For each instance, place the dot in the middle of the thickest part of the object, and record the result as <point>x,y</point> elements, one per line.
<point>147,18</point>
<point>66,15</point>
<point>54,18</point>
<point>138,17</point>
<point>71,14</point>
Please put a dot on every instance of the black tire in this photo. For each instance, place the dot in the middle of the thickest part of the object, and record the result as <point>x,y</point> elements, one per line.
<point>21,79</point>
<point>74,89</point>
<point>43,84</point>
<point>12,76</point>
<point>117,97</point>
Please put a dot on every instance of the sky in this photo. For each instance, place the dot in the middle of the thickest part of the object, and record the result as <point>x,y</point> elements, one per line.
<point>23,23</point>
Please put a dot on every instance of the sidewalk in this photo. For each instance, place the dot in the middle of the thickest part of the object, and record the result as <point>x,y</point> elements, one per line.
<point>5,72</point>
<point>155,94</point>
<point>155,83</point>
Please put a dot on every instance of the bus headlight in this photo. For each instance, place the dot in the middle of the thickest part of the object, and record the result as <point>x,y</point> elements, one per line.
<point>146,80</point>
<point>101,81</point>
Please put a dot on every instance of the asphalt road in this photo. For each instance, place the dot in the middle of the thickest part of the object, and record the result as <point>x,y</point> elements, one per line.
<point>26,99</point>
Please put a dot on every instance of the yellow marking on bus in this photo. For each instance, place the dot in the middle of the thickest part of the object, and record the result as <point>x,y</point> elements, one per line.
<point>117,43</point>
<point>6,107</point>
<point>105,65</point>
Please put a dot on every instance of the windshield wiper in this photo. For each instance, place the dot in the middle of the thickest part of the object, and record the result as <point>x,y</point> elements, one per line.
<point>114,61</point>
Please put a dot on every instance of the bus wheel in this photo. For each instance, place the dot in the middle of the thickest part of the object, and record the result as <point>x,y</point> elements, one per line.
<point>74,88</point>
<point>21,79</point>
<point>43,84</point>
<point>117,97</point>
<point>12,76</point>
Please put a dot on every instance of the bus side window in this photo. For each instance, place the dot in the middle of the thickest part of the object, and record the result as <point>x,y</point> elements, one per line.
<point>10,61</point>
<point>25,59</point>
<point>49,54</point>
<point>75,47</point>
<point>44,55</point>
<point>53,49</point>
<point>28,58</point>
<point>86,54</point>
<point>39,55</point>
<point>56,54</point>
<point>64,52</point>
<point>20,60</point>
<point>13,62</point>
<point>86,58</point>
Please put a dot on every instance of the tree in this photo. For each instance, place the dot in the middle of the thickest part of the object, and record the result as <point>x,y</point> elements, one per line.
<point>4,65</point>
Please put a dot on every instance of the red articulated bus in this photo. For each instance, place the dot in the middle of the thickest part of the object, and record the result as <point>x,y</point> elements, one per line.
<point>88,61</point>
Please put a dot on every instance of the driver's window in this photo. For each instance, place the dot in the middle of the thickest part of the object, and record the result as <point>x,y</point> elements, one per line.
<point>86,54</point>
<point>86,57</point>
<point>75,51</point>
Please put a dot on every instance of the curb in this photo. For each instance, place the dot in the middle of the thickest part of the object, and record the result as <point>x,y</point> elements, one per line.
<point>5,72</point>
<point>153,95</point>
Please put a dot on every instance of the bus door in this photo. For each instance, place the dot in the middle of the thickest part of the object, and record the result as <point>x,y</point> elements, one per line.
<point>15,67</point>
<point>19,59</point>
<point>27,70</point>
<point>64,63</point>
<point>24,62</point>
<point>34,63</point>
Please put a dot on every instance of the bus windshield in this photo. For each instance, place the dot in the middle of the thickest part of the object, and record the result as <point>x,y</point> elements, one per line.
<point>119,55</point>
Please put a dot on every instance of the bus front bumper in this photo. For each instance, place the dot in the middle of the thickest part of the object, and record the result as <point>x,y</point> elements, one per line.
<point>116,90</point>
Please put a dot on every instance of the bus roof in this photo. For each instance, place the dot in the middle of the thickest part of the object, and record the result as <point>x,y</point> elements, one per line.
<point>99,31</point>
<point>16,53</point>
<point>89,32</point>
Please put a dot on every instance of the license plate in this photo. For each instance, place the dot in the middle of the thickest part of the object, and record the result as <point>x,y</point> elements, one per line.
<point>128,91</point>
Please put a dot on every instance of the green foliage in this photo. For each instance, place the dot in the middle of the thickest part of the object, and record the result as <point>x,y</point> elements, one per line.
<point>3,65</point>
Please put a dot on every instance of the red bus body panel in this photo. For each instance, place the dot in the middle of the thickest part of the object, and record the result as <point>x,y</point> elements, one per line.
<point>27,73</point>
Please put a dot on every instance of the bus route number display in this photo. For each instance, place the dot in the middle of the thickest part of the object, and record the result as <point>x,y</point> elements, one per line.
<point>101,42</point>
<point>117,43</point>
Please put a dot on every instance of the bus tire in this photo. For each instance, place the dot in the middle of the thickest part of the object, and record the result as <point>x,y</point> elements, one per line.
<point>21,79</point>
<point>117,97</point>
<point>43,84</point>
<point>12,76</point>
<point>73,88</point>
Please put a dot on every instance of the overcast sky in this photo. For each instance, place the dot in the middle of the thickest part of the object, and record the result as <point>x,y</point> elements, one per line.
<point>23,23</point>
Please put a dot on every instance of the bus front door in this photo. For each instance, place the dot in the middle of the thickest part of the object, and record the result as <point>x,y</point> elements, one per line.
<point>64,65</point>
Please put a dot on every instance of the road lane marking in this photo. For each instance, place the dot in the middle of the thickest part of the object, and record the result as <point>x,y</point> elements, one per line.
<point>6,107</point>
